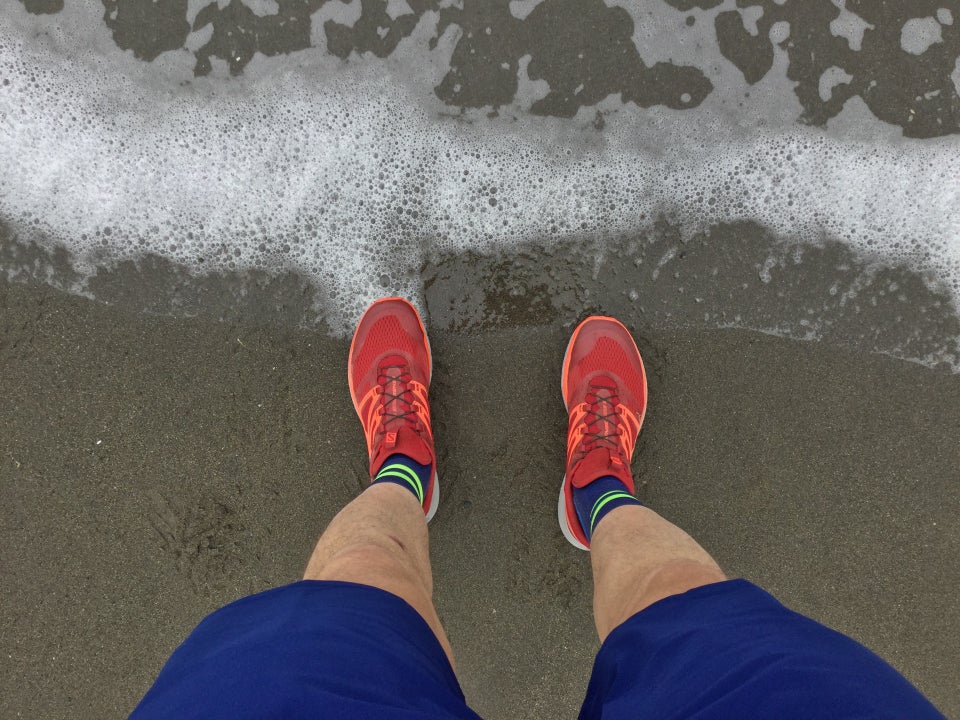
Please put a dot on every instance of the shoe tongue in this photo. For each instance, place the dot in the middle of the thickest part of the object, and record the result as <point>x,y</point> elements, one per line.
<point>604,380</point>
<point>394,361</point>
<point>603,387</point>
<point>406,441</point>
<point>596,464</point>
<point>395,365</point>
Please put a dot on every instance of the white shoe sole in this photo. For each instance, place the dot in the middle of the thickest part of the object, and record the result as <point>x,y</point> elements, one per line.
<point>435,500</point>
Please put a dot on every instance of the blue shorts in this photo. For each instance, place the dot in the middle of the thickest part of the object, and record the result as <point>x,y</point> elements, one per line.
<point>334,649</point>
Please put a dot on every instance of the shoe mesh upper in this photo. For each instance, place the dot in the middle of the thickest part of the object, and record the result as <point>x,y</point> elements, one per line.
<point>385,335</point>
<point>610,358</point>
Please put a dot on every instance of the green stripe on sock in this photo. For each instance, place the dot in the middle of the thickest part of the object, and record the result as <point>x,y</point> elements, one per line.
<point>415,486</point>
<point>404,473</point>
<point>603,500</point>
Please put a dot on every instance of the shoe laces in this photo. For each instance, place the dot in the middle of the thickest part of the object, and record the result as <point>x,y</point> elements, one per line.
<point>396,401</point>
<point>601,421</point>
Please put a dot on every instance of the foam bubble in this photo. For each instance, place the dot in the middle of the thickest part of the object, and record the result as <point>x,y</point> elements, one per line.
<point>352,181</point>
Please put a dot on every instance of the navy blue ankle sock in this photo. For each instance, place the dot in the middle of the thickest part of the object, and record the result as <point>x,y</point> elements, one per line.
<point>595,500</point>
<point>401,470</point>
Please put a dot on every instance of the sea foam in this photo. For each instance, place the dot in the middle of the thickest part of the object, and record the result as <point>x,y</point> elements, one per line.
<point>352,174</point>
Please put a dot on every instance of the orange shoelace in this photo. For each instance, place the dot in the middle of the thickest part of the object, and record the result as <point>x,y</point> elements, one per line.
<point>395,401</point>
<point>601,421</point>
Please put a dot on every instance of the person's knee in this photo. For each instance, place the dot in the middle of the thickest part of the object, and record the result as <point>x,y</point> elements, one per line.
<point>380,562</point>
<point>676,577</point>
<point>670,578</point>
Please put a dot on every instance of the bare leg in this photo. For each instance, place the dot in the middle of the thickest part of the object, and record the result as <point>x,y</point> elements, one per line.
<point>639,558</point>
<point>380,539</point>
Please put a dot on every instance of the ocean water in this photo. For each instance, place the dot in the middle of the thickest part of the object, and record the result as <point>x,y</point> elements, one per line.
<point>499,155</point>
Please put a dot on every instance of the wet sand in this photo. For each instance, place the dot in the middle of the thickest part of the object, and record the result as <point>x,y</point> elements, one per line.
<point>153,469</point>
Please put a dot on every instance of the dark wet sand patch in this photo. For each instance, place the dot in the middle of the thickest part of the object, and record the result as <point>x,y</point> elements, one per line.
<point>152,469</point>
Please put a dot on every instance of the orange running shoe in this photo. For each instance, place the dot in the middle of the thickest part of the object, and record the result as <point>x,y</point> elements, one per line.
<point>389,373</point>
<point>605,392</point>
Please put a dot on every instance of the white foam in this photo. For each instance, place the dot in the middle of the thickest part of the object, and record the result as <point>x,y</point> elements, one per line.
<point>396,8</point>
<point>751,15</point>
<point>919,34</point>
<point>521,8</point>
<point>353,180</point>
<point>849,25</point>
<point>832,77</point>
<point>262,8</point>
<point>779,31</point>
